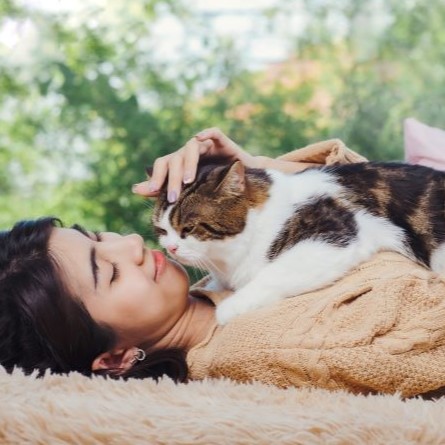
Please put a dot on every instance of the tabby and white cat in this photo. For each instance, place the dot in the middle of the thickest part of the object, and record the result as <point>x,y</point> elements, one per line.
<point>269,235</point>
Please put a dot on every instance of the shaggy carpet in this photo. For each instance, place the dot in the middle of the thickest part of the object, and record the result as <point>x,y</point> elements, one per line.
<point>75,409</point>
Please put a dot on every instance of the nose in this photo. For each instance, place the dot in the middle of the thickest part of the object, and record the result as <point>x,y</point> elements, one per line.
<point>125,246</point>
<point>172,248</point>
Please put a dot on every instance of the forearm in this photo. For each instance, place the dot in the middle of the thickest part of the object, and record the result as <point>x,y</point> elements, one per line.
<point>332,151</point>
<point>283,166</point>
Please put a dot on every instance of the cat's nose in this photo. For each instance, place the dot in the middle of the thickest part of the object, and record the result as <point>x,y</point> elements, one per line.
<point>172,248</point>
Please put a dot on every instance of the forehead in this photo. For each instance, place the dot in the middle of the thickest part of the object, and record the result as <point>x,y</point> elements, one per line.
<point>161,205</point>
<point>65,240</point>
<point>71,251</point>
<point>164,219</point>
<point>191,196</point>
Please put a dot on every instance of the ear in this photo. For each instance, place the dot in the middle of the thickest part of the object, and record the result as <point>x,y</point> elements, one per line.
<point>149,170</point>
<point>122,359</point>
<point>234,181</point>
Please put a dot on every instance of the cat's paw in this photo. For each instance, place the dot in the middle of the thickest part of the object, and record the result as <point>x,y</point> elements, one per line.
<point>232,307</point>
<point>225,311</point>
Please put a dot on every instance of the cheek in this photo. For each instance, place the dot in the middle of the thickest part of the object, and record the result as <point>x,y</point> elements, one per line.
<point>191,244</point>
<point>176,282</point>
<point>136,296</point>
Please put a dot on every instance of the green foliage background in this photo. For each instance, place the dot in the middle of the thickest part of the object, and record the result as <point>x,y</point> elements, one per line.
<point>83,115</point>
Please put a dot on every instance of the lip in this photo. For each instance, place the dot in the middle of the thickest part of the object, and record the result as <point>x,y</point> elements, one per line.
<point>160,263</point>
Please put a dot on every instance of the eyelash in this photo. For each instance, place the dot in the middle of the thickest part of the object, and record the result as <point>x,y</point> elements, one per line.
<point>116,273</point>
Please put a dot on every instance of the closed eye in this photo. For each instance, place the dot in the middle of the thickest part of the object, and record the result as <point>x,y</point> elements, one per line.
<point>207,227</point>
<point>116,273</point>
<point>186,230</point>
<point>159,231</point>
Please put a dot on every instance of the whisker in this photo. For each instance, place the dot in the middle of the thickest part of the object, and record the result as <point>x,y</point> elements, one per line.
<point>203,271</point>
<point>212,266</point>
<point>199,269</point>
<point>195,275</point>
<point>149,203</point>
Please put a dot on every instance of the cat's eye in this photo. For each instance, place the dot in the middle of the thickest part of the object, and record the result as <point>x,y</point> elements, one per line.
<point>186,231</point>
<point>159,231</point>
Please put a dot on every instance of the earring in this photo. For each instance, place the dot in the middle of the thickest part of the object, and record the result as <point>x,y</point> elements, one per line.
<point>138,356</point>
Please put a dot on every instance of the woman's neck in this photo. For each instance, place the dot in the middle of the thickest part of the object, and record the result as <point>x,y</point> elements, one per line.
<point>192,328</point>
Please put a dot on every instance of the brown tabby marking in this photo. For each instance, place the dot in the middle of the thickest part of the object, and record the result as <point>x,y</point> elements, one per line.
<point>215,206</point>
<point>325,219</point>
<point>411,197</point>
<point>387,190</point>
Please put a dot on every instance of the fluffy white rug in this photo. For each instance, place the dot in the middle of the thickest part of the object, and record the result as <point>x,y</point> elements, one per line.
<point>75,409</point>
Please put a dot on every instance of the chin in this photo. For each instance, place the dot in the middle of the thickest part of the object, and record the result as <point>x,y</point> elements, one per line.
<point>179,270</point>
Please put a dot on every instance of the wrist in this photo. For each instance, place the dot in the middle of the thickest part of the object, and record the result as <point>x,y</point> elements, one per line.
<point>261,162</point>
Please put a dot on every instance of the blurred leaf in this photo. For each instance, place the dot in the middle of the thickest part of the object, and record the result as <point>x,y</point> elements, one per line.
<point>93,101</point>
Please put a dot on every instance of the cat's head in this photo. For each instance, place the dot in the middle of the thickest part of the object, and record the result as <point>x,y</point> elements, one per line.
<point>208,213</point>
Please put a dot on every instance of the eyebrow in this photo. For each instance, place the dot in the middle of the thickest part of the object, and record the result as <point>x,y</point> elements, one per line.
<point>93,262</point>
<point>94,267</point>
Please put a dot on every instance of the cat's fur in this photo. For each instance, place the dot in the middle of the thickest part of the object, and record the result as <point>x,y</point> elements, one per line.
<point>269,235</point>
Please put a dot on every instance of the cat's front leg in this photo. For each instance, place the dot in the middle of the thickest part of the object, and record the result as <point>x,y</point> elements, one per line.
<point>306,267</point>
<point>242,301</point>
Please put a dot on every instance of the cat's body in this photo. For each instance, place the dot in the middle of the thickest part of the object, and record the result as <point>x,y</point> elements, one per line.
<point>269,235</point>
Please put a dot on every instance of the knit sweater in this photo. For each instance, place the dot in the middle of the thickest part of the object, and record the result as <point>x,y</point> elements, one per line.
<point>380,328</point>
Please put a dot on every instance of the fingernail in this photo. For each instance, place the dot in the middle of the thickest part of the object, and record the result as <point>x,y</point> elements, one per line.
<point>141,187</point>
<point>172,197</point>
<point>153,187</point>
<point>188,178</point>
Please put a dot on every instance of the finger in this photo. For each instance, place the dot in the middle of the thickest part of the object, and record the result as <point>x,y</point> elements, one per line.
<point>192,152</point>
<point>214,133</point>
<point>175,175</point>
<point>160,171</point>
<point>143,189</point>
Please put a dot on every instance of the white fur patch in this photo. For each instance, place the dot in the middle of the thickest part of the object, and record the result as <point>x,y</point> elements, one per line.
<point>310,265</point>
<point>437,261</point>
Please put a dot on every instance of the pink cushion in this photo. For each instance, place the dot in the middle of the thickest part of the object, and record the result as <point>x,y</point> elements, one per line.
<point>424,145</point>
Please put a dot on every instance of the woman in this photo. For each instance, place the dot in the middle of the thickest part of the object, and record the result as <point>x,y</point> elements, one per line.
<point>103,303</point>
<point>77,300</point>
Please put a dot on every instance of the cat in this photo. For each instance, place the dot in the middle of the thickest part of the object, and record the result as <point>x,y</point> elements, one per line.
<point>267,235</point>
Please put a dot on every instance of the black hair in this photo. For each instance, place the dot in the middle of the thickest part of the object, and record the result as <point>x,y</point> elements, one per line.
<point>43,326</point>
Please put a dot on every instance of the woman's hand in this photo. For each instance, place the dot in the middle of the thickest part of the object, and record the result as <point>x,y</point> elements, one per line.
<point>180,166</point>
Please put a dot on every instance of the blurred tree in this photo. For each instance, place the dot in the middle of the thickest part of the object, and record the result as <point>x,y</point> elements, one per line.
<point>386,63</point>
<point>92,100</point>
<point>97,106</point>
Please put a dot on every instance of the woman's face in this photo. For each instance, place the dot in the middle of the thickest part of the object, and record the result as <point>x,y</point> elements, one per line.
<point>136,291</point>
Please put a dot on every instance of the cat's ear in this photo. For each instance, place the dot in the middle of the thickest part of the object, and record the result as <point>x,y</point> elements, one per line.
<point>149,170</point>
<point>234,181</point>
